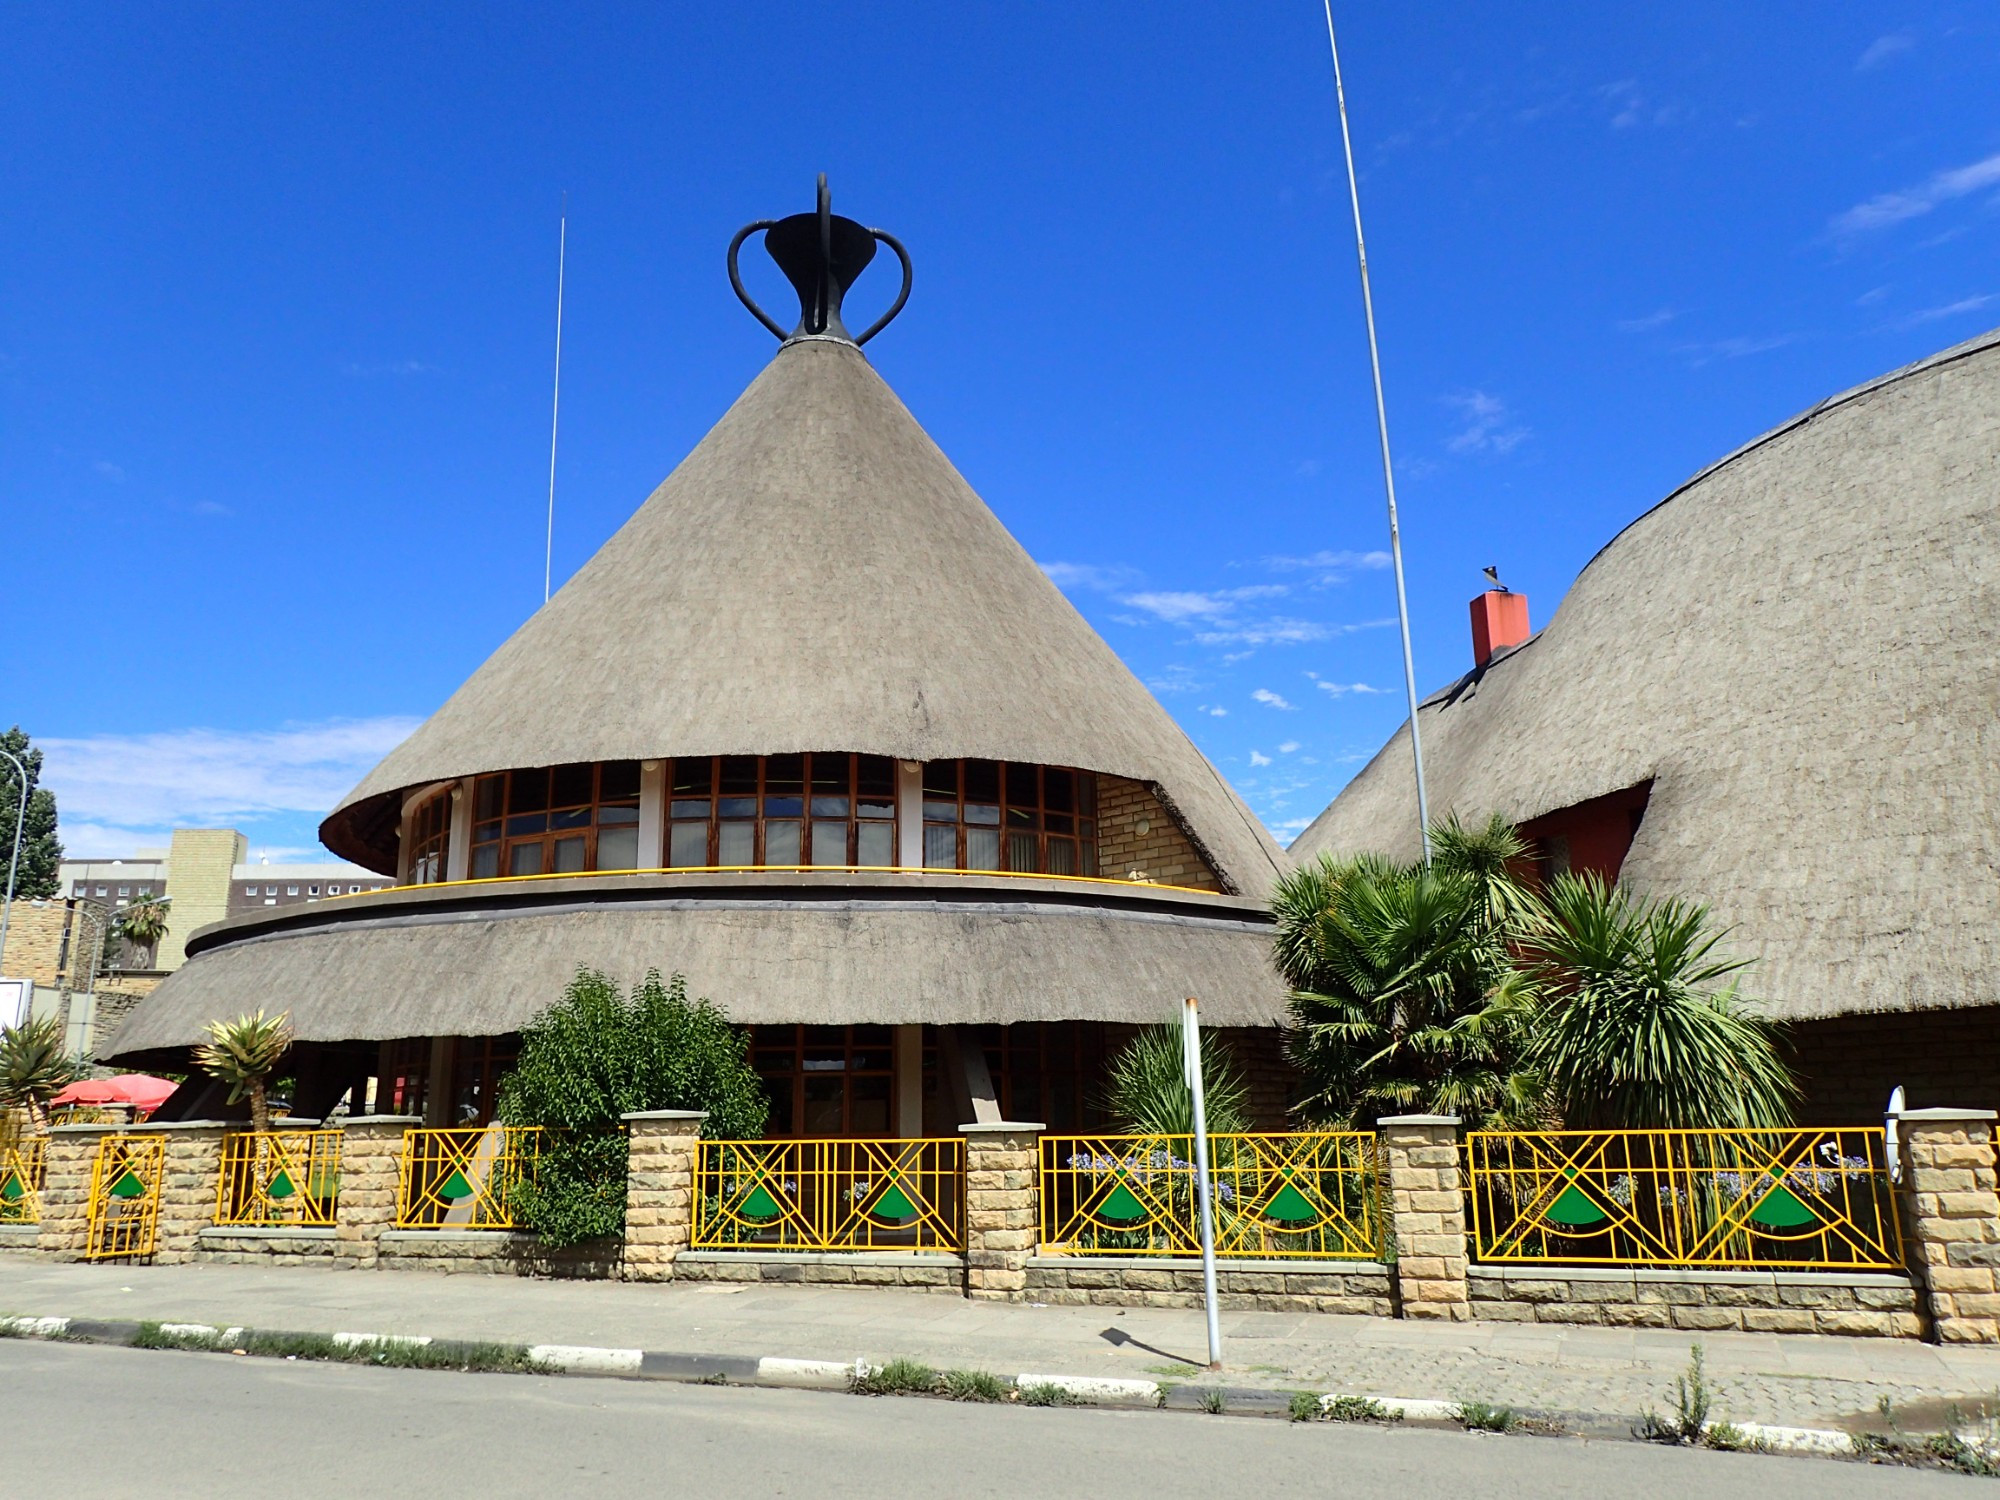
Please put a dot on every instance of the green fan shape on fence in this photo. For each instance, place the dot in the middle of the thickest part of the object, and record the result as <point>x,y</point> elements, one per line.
<point>894,1202</point>
<point>455,1187</point>
<point>12,1189</point>
<point>760,1204</point>
<point>1290,1206</point>
<point>280,1185</point>
<point>128,1185</point>
<point>1119,1205</point>
<point>1573,1208</point>
<point>1781,1208</point>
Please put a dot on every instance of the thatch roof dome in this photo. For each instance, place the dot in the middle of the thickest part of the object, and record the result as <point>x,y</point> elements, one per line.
<point>814,576</point>
<point>1798,648</point>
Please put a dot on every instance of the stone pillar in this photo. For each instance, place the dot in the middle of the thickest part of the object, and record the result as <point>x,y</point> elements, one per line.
<point>1954,1220</point>
<point>659,1190</point>
<point>65,1196</point>
<point>189,1169</point>
<point>1001,1227</point>
<point>371,1167</point>
<point>1426,1215</point>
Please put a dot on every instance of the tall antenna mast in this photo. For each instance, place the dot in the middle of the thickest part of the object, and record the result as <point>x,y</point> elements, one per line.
<point>555,406</point>
<point>1382,426</point>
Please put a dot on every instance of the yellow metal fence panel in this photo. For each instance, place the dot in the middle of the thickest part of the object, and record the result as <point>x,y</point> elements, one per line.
<point>280,1178</point>
<point>125,1181</point>
<point>1308,1195</point>
<point>835,1194</point>
<point>1778,1199</point>
<point>461,1179</point>
<point>21,1168</point>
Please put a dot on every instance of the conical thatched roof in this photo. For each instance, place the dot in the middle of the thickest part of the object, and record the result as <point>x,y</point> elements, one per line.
<point>815,576</point>
<point>1798,648</point>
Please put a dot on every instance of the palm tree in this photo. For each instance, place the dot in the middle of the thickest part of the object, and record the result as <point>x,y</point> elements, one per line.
<point>34,1068</point>
<point>1640,1026</point>
<point>144,922</point>
<point>1404,996</point>
<point>1148,1094</point>
<point>243,1053</point>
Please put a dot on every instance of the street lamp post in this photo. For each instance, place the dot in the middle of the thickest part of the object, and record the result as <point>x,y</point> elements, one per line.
<point>14,862</point>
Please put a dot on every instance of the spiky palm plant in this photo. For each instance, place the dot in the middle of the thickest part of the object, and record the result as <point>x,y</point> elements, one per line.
<point>1147,1091</point>
<point>1403,995</point>
<point>243,1053</point>
<point>34,1068</point>
<point>144,922</point>
<point>1641,1025</point>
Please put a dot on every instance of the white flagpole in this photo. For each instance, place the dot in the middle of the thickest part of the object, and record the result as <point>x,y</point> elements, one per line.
<point>1191,1065</point>
<point>555,405</point>
<point>1382,427</point>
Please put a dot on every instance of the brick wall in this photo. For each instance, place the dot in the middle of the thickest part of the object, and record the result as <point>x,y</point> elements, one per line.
<point>1848,1064</point>
<point>57,943</point>
<point>1138,839</point>
<point>199,866</point>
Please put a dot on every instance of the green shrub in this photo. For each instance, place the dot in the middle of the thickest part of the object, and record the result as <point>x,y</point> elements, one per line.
<point>1479,1416</point>
<point>1148,1094</point>
<point>595,1055</point>
<point>899,1377</point>
<point>1047,1393</point>
<point>975,1385</point>
<point>1305,1406</point>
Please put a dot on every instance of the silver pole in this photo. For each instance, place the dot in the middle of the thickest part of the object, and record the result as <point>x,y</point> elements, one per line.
<point>1191,1062</point>
<point>14,863</point>
<point>1388,469</point>
<point>555,405</point>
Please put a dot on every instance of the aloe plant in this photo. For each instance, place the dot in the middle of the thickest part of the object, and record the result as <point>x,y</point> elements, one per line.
<point>243,1053</point>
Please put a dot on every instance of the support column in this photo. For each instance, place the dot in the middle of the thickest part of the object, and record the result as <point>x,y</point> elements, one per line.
<point>1954,1220</point>
<point>65,1195</point>
<point>371,1167</point>
<point>659,1190</point>
<point>190,1166</point>
<point>652,815</point>
<point>1426,1215</point>
<point>910,1081</point>
<point>458,848</point>
<point>910,814</point>
<point>1000,1207</point>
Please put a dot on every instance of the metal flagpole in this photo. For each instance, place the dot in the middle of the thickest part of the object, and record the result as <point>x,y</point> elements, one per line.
<point>1382,426</point>
<point>555,406</point>
<point>1191,1065</point>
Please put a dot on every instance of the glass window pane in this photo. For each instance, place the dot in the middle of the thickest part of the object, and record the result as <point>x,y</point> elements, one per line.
<point>784,807</point>
<point>781,843</point>
<point>737,807</point>
<point>736,844</point>
<point>1058,789</point>
<point>529,823</point>
<point>571,786</point>
<point>941,779</point>
<point>527,791</point>
<point>622,813</point>
<point>1062,857</point>
<point>823,1114</point>
<point>486,862</point>
<point>941,846</point>
<point>940,812</point>
<point>1086,793</point>
<point>1088,859</point>
<point>739,775</point>
<point>875,776</point>
<point>691,807</point>
<point>1022,853</point>
<point>829,846</point>
<point>570,817</point>
<point>832,773</point>
<point>1021,786</point>
<point>982,848</point>
<point>875,844</point>
<point>693,776</point>
<point>485,833</point>
<point>982,781</point>
<point>568,855</point>
<point>486,796</point>
<point>829,807</point>
<point>784,774</point>
<point>876,810</point>
<point>868,1107</point>
<point>616,779</point>
<point>524,859</point>
<point>981,812</point>
<point>618,849</point>
<point>1059,822</point>
<point>687,846</point>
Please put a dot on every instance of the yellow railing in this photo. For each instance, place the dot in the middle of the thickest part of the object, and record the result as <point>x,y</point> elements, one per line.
<point>126,1177</point>
<point>1309,1195</point>
<point>460,1179</point>
<point>829,1195</point>
<point>1800,1199</point>
<point>22,1165</point>
<point>283,1177</point>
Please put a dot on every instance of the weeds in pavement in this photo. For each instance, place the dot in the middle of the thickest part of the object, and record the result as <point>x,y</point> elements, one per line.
<point>1727,1437</point>
<point>899,1377</point>
<point>1356,1409</point>
<point>1693,1401</point>
<point>1305,1406</point>
<point>1950,1449</point>
<point>1213,1400</point>
<point>393,1354</point>
<point>1478,1416</point>
<point>1047,1393</point>
<point>975,1385</point>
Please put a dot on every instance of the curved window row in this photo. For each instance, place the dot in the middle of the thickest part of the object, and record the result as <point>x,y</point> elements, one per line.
<point>1002,815</point>
<point>730,810</point>
<point>556,820</point>
<point>430,840</point>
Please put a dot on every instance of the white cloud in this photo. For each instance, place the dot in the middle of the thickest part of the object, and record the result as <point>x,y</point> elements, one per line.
<point>1342,689</point>
<point>1883,48</point>
<point>136,788</point>
<point>1740,347</point>
<point>1949,310</point>
<point>390,367</point>
<point>1102,578</point>
<point>1283,632</point>
<point>1177,606</point>
<point>1257,759</point>
<point>1214,711</point>
<point>1270,699</point>
<point>1886,209</point>
<point>108,470</point>
<point>1288,747</point>
<point>1647,324</point>
<point>1489,426</point>
<point>1323,561</point>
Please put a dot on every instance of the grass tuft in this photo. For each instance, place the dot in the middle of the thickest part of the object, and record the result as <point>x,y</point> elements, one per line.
<point>1047,1393</point>
<point>1357,1409</point>
<point>1694,1401</point>
<point>1213,1400</point>
<point>975,1385</point>
<point>1478,1416</point>
<point>1305,1406</point>
<point>899,1377</point>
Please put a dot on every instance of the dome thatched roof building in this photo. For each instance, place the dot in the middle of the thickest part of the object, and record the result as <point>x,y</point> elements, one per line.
<point>1776,692</point>
<point>814,729</point>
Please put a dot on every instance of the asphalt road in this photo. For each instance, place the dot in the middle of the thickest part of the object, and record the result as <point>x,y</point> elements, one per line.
<point>86,1423</point>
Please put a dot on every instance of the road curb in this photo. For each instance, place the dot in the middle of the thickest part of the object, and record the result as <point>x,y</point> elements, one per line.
<point>591,1361</point>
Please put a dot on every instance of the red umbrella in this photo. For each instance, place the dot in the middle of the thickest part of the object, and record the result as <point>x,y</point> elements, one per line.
<point>142,1091</point>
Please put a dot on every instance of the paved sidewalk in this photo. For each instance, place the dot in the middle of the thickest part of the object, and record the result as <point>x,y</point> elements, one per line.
<point>1612,1374</point>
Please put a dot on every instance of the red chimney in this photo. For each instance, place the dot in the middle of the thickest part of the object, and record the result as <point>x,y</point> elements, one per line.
<point>1499,620</point>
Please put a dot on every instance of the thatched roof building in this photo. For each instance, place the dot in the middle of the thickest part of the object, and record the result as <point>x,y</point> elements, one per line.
<point>811,727</point>
<point>1782,678</point>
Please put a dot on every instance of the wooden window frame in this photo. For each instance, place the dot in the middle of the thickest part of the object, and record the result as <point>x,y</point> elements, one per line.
<point>500,827</point>
<point>769,1043</point>
<point>430,840</point>
<point>1018,818</point>
<point>694,800</point>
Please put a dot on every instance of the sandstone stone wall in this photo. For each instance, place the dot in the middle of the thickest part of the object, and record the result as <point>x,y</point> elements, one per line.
<point>935,1273</point>
<point>241,1246</point>
<point>1360,1287</point>
<point>1858,1304</point>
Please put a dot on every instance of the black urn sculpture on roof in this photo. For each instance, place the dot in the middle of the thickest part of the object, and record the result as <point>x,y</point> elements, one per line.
<point>822,255</point>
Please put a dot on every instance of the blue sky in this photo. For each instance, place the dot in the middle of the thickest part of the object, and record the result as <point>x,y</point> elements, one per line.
<point>276,289</point>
